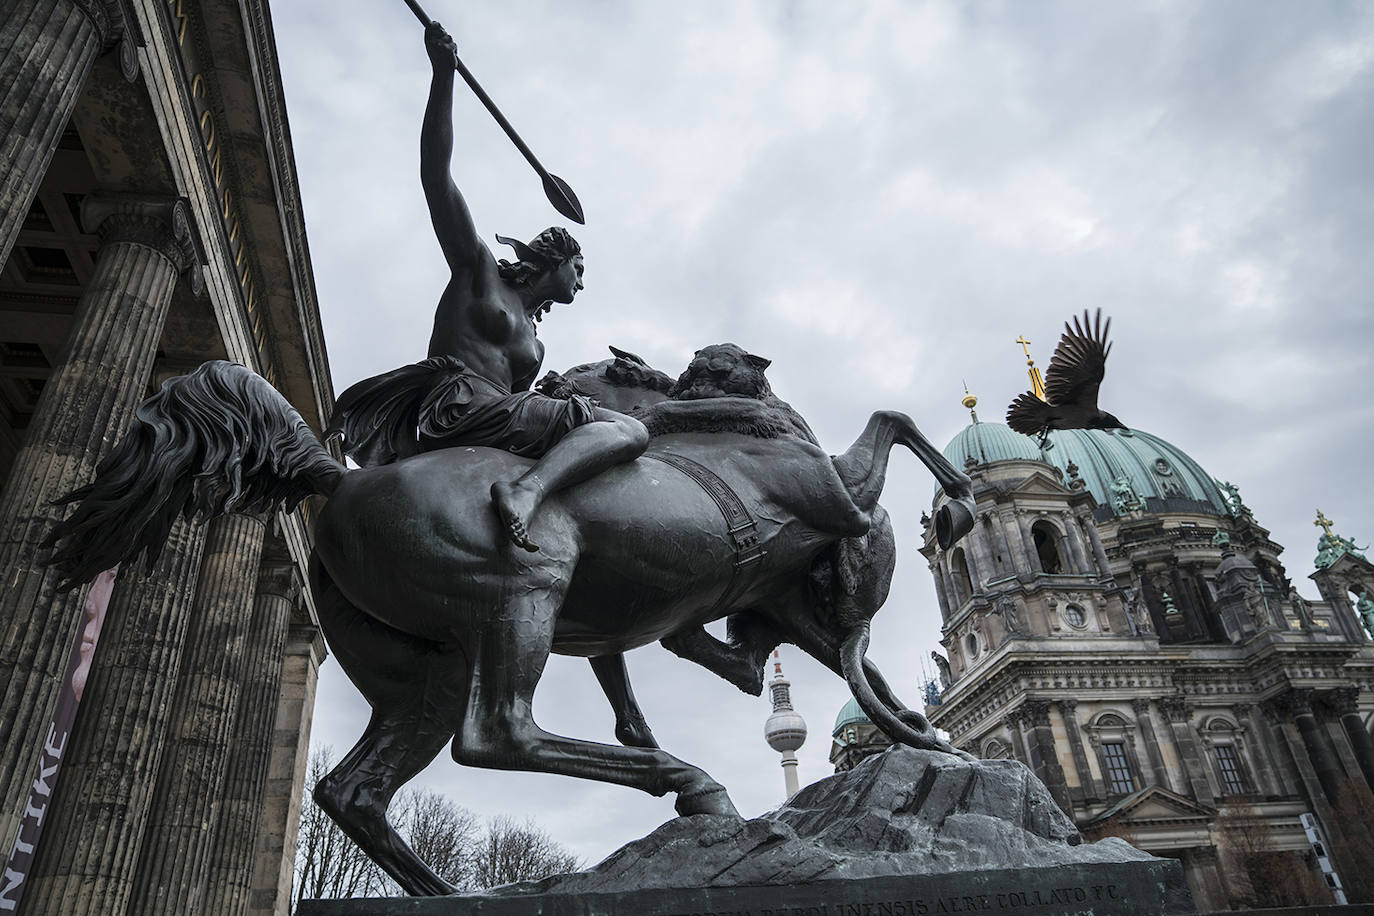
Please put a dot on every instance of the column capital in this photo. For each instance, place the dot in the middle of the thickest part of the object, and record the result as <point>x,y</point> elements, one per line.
<point>1177,709</point>
<point>280,578</point>
<point>1344,700</point>
<point>1141,705</point>
<point>1037,712</point>
<point>163,224</point>
<point>1297,702</point>
<point>107,16</point>
<point>1067,705</point>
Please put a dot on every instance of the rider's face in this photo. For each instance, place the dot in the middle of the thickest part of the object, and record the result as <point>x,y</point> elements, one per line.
<point>565,280</point>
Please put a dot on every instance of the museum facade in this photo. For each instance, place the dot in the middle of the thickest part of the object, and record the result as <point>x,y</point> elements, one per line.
<point>1119,621</point>
<point>154,727</point>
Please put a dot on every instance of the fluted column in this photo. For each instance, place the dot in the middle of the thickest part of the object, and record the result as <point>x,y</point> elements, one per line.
<point>46,51</point>
<point>176,852</point>
<point>1068,709</point>
<point>1145,721</point>
<point>1044,757</point>
<point>108,776</point>
<point>229,881</point>
<point>275,850</point>
<point>1345,701</point>
<point>84,408</point>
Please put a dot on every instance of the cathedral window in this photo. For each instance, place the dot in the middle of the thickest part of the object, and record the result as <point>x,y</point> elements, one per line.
<point>1074,616</point>
<point>1230,770</point>
<point>1047,547</point>
<point>971,645</point>
<point>1117,766</point>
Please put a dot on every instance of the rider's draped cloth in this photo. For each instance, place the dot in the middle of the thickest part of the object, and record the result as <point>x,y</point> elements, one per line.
<point>440,403</point>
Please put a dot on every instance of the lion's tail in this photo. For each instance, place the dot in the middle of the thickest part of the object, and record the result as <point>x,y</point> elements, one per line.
<point>216,440</point>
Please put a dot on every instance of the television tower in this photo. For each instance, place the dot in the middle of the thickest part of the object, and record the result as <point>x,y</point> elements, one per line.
<point>785,730</point>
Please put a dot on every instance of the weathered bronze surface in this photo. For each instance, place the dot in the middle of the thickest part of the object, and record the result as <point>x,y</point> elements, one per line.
<point>491,525</point>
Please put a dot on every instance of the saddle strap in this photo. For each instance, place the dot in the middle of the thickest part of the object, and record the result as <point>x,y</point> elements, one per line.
<point>744,533</point>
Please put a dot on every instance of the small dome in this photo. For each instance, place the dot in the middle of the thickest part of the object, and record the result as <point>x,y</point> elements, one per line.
<point>850,714</point>
<point>1164,476</point>
<point>784,731</point>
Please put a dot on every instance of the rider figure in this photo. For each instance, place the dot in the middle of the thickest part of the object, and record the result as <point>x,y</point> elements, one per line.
<point>484,353</point>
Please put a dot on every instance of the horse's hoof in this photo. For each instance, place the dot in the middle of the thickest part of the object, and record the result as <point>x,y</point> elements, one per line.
<point>710,800</point>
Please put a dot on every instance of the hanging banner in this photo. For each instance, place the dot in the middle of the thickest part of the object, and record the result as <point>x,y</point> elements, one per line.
<point>40,794</point>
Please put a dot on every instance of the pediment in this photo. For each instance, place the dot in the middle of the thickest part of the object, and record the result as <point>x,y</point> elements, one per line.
<point>1347,564</point>
<point>1040,484</point>
<point>1155,804</point>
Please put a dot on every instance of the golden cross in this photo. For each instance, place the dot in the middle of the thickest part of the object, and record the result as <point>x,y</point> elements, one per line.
<point>1025,345</point>
<point>1323,523</point>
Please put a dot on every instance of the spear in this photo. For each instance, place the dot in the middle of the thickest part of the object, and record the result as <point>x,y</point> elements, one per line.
<point>555,188</point>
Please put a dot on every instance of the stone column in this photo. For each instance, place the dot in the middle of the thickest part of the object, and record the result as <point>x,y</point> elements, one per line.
<point>276,845</point>
<point>940,595</point>
<point>1085,523</point>
<point>46,51</point>
<point>107,778</point>
<point>1298,704</point>
<point>1044,760</point>
<point>1145,720</point>
<point>1018,741</point>
<point>1179,711</point>
<point>229,882</point>
<point>1021,559</point>
<point>1345,701</point>
<point>1088,785</point>
<point>176,851</point>
<point>84,408</point>
<point>1258,747</point>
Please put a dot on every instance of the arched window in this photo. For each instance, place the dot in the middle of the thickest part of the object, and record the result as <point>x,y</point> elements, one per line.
<point>958,568</point>
<point>1047,546</point>
<point>995,749</point>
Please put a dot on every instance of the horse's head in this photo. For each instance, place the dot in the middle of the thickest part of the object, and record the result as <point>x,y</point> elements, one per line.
<point>625,382</point>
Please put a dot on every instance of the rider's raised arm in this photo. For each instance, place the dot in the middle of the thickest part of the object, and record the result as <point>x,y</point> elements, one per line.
<point>447,210</point>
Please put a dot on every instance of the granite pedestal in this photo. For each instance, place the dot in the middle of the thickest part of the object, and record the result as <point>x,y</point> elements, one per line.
<point>906,833</point>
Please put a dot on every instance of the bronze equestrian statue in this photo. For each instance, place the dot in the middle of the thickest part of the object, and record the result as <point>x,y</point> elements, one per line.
<point>712,501</point>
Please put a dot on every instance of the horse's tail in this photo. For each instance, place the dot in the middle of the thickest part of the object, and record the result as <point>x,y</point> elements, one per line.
<point>218,439</point>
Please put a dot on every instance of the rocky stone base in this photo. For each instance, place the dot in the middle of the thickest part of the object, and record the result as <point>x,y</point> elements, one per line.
<point>906,833</point>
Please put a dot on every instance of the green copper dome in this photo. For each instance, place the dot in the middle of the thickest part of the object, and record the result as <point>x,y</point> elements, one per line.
<point>850,714</point>
<point>1162,476</point>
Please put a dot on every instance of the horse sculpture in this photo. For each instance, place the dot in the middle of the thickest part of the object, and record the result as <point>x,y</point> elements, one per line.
<point>445,626</point>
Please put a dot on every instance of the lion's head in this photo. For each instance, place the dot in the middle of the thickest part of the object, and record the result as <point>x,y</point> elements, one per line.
<point>723,370</point>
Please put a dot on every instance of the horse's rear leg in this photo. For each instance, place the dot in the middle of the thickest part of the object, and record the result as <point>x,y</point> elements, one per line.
<point>631,728</point>
<point>397,745</point>
<point>499,732</point>
<point>863,468</point>
<point>416,693</point>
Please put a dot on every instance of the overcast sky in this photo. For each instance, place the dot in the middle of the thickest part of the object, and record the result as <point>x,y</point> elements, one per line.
<point>879,197</point>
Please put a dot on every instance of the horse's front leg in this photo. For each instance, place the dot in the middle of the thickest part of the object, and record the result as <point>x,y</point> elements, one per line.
<point>631,728</point>
<point>740,661</point>
<point>498,730</point>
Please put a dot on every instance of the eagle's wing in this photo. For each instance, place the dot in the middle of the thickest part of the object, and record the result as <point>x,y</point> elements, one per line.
<point>1078,364</point>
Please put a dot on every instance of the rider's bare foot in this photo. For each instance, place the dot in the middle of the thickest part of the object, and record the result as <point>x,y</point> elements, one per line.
<point>516,502</point>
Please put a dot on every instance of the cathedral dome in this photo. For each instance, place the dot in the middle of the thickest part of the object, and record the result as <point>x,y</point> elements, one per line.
<point>850,714</point>
<point>1161,475</point>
